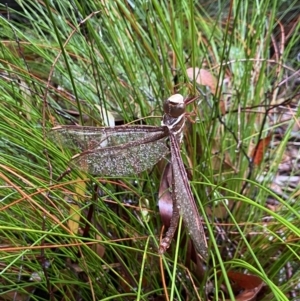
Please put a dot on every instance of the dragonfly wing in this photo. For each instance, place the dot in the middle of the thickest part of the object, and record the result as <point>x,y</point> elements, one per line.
<point>122,160</point>
<point>185,201</point>
<point>83,138</point>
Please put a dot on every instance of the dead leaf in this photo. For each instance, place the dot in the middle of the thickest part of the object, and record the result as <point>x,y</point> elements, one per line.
<point>250,285</point>
<point>259,151</point>
<point>206,78</point>
<point>165,202</point>
<point>203,77</point>
<point>244,281</point>
<point>249,295</point>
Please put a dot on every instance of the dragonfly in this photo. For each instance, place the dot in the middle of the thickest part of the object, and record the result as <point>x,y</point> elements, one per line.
<point>131,149</point>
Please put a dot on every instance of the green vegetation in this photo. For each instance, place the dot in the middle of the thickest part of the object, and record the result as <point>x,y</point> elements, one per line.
<point>93,238</point>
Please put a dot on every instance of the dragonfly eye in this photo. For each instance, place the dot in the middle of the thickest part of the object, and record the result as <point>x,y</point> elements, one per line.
<point>174,106</point>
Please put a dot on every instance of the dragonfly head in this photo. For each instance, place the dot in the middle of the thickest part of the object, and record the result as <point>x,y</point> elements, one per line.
<point>174,106</point>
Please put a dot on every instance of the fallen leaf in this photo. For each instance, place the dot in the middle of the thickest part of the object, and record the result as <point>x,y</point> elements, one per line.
<point>165,202</point>
<point>203,77</point>
<point>244,281</point>
<point>250,285</point>
<point>206,78</point>
<point>259,151</point>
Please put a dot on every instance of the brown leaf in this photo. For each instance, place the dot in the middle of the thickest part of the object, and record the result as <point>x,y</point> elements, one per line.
<point>244,281</point>
<point>249,295</point>
<point>260,150</point>
<point>206,78</point>
<point>165,202</point>
<point>203,77</point>
<point>250,284</point>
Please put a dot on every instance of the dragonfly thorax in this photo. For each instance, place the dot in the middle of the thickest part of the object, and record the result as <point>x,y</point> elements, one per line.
<point>174,117</point>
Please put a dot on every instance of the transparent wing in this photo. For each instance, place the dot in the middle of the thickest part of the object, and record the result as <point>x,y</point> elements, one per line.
<point>113,151</point>
<point>123,160</point>
<point>185,201</point>
<point>83,138</point>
